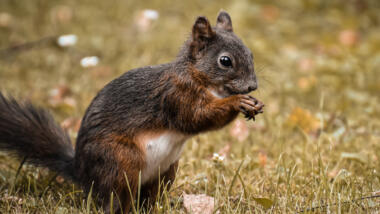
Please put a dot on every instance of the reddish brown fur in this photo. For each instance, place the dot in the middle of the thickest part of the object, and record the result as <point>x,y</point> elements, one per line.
<point>127,168</point>
<point>200,111</point>
<point>130,168</point>
<point>110,150</point>
<point>150,190</point>
<point>179,100</point>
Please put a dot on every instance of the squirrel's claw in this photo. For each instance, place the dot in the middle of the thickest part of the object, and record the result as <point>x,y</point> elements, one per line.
<point>250,110</point>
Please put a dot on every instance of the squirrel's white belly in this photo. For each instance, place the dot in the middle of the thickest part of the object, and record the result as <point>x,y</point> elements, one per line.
<point>161,151</point>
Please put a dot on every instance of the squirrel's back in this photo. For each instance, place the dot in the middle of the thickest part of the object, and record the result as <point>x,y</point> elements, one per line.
<point>131,100</point>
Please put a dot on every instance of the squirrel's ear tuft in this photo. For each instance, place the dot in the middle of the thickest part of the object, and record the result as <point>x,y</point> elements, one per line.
<point>224,21</point>
<point>202,34</point>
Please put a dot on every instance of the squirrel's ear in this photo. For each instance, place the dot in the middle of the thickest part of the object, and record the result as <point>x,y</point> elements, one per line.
<point>224,21</point>
<point>202,29</point>
<point>202,34</point>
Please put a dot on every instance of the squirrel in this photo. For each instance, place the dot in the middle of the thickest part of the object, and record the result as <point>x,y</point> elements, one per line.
<point>134,130</point>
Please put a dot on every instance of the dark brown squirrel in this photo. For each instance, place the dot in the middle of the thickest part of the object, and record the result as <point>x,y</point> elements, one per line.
<point>136,126</point>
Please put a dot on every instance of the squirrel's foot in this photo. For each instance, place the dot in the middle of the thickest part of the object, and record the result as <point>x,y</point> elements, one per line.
<point>250,106</point>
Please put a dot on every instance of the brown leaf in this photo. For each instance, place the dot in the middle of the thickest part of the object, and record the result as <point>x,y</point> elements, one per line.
<point>305,64</point>
<point>269,13</point>
<point>306,83</point>
<point>348,37</point>
<point>333,173</point>
<point>62,14</point>
<point>304,119</point>
<point>239,130</point>
<point>262,158</point>
<point>198,204</point>
<point>59,179</point>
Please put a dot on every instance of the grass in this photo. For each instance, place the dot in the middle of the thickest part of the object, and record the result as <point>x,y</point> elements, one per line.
<point>316,146</point>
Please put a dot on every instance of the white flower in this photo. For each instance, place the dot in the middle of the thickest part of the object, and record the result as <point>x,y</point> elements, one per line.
<point>150,14</point>
<point>218,157</point>
<point>67,40</point>
<point>89,61</point>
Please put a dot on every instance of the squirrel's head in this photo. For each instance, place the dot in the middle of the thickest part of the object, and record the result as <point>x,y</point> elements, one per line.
<point>221,57</point>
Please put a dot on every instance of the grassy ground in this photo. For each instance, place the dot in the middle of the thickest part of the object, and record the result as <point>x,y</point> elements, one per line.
<point>317,144</point>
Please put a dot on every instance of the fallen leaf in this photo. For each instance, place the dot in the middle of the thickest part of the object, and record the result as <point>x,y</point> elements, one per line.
<point>269,13</point>
<point>333,173</point>
<point>306,83</point>
<point>265,202</point>
<point>198,204</point>
<point>62,14</point>
<point>239,130</point>
<point>262,158</point>
<point>305,64</point>
<point>59,179</point>
<point>348,37</point>
<point>304,119</point>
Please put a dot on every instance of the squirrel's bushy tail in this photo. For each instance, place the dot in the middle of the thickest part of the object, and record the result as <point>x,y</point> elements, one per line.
<point>30,132</point>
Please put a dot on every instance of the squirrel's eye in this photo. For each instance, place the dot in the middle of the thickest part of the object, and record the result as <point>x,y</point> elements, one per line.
<point>225,61</point>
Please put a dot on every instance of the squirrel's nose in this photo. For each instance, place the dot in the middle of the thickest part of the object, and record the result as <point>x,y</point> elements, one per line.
<point>252,87</point>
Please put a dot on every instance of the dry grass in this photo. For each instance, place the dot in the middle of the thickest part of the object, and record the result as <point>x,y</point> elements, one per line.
<point>317,145</point>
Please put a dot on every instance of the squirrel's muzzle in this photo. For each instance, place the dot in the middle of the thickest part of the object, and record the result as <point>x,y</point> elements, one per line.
<point>252,87</point>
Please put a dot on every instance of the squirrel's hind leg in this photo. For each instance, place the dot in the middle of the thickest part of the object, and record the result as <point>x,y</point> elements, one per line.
<point>149,191</point>
<point>130,162</point>
<point>111,165</point>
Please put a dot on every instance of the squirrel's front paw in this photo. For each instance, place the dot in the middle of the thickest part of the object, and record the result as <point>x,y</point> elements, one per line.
<point>250,106</point>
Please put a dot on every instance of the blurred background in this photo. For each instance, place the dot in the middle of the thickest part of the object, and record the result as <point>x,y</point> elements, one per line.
<point>317,62</point>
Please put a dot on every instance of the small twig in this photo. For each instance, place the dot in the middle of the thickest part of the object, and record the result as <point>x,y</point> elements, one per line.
<point>6,52</point>
<point>19,168</point>
<point>312,209</point>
